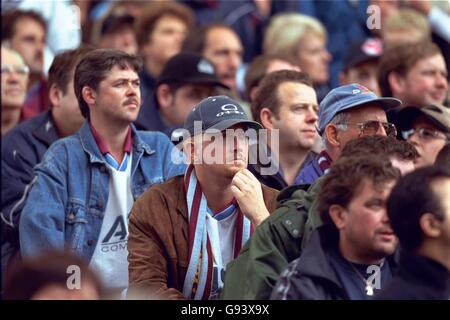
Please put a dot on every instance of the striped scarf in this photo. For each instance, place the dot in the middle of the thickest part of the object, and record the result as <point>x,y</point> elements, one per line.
<point>324,161</point>
<point>198,281</point>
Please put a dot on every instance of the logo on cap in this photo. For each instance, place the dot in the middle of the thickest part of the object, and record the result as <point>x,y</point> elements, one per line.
<point>360,89</point>
<point>205,67</point>
<point>228,109</point>
<point>372,47</point>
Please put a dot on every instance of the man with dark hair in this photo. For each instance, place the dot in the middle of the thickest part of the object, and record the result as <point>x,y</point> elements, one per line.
<point>117,32</point>
<point>85,185</point>
<point>221,45</point>
<point>361,64</point>
<point>419,212</point>
<point>45,277</point>
<point>286,105</point>
<point>160,31</point>
<point>427,128</point>
<point>350,256</point>
<point>414,73</point>
<point>443,157</point>
<point>185,231</point>
<point>186,79</point>
<point>25,32</point>
<point>262,65</point>
<point>286,232</point>
<point>25,145</point>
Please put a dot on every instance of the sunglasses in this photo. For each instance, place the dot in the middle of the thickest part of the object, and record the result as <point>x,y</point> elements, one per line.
<point>21,70</point>
<point>424,134</point>
<point>370,128</point>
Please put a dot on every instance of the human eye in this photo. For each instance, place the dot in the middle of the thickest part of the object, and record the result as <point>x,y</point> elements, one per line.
<point>374,204</point>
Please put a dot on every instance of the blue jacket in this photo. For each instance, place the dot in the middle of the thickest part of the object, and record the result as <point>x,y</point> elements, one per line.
<point>67,202</point>
<point>310,173</point>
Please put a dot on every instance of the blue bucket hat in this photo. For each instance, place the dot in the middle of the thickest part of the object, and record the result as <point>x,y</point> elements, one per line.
<point>347,97</point>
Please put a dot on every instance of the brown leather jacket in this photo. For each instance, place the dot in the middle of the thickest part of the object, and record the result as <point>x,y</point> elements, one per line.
<point>158,240</point>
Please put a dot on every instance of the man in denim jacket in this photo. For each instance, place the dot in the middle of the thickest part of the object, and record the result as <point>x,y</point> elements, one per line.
<point>86,183</point>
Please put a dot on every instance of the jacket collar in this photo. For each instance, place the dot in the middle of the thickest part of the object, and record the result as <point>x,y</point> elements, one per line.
<point>90,146</point>
<point>314,261</point>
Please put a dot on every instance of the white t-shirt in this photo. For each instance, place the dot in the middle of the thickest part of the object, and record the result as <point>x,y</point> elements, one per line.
<point>110,258</point>
<point>222,235</point>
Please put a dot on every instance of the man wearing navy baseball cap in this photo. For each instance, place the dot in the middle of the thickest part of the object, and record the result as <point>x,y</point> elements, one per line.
<point>185,80</point>
<point>361,64</point>
<point>346,113</point>
<point>183,233</point>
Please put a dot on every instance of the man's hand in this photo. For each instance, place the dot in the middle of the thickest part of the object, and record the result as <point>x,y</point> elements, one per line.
<point>248,193</point>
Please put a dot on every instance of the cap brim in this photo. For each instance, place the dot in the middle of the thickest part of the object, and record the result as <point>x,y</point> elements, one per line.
<point>406,117</point>
<point>225,124</point>
<point>358,60</point>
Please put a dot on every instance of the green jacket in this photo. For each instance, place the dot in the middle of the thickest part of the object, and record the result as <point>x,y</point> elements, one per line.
<point>275,243</point>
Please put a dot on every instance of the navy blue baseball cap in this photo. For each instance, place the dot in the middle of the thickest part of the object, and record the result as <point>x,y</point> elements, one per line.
<point>218,112</point>
<point>348,97</point>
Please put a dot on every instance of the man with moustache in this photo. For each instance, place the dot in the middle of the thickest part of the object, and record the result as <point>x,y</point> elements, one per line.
<point>85,185</point>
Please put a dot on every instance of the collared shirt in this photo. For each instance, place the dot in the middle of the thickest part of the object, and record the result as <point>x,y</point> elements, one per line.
<point>106,152</point>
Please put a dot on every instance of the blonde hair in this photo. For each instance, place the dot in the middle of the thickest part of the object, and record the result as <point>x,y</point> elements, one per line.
<point>286,30</point>
<point>407,19</point>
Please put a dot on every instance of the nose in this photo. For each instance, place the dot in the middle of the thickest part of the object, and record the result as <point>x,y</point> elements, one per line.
<point>384,217</point>
<point>311,116</point>
<point>381,131</point>
<point>234,61</point>
<point>414,139</point>
<point>13,77</point>
<point>131,89</point>
<point>441,82</point>
<point>326,55</point>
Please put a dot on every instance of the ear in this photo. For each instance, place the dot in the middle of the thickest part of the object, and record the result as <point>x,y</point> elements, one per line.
<point>266,116</point>
<point>430,225</point>
<point>165,96</point>
<point>253,93</point>
<point>396,82</point>
<point>338,215</point>
<point>343,78</point>
<point>54,95</point>
<point>89,95</point>
<point>332,135</point>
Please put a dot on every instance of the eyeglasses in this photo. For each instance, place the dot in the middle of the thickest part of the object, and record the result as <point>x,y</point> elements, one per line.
<point>370,128</point>
<point>424,134</point>
<point>8,69</point>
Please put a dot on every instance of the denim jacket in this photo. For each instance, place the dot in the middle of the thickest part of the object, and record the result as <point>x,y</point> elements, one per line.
<point>67,202</point>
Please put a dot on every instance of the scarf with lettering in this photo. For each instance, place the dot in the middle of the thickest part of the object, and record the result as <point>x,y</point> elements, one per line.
<point>198,280</point>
